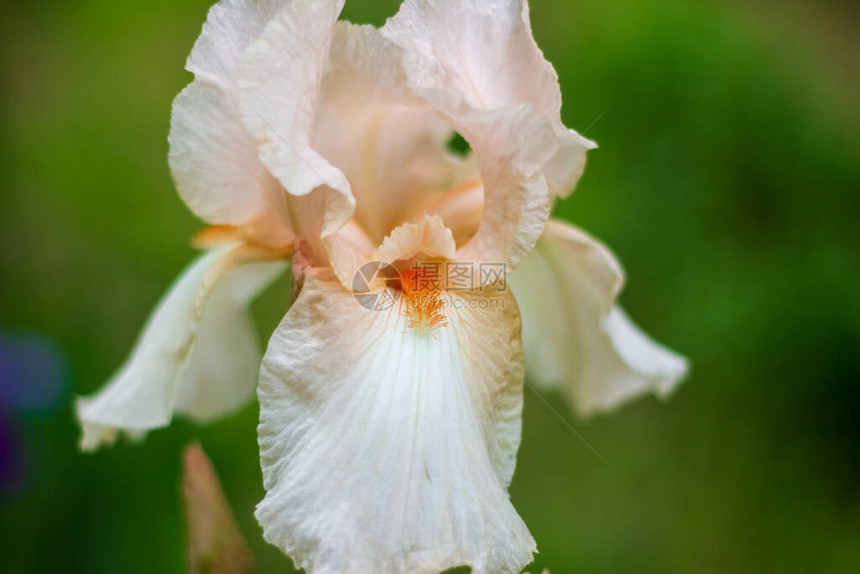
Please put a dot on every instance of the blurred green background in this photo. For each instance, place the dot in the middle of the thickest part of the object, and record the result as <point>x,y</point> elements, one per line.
<point>726,181</point>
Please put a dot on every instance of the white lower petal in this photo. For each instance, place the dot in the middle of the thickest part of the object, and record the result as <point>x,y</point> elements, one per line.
<point>648,365</point>
<point>574,335</point>
<point>389,450</point>
<point>198,354</point>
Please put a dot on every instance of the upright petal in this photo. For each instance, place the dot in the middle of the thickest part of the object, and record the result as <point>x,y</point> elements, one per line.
<point>477,62</point>
<point>389,143</point>
<point>230,27</point>
<point>214,162</point>
<point>485,51</point>
<point>511,146</point>
<point>386,449</point>
<point>575,337</point>
<point>279,95</point>
<point>198,353</point>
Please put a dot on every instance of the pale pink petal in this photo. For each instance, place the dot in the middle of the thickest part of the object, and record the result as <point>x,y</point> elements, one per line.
<point>575,336</point>
<point>461,209</point>
<point>349,248</point>
<point>390,144</point>
<point>279,93</point>
<point>512,147</point>
<point>387,449</point>
<point>213,159</point>
<point>478,63</point>
<point>230,27</point>
<point>482,50</point>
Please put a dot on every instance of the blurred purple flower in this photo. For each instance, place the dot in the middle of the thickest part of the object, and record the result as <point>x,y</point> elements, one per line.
<point>11,461</point>
<point>31,373</point>
<point>32,379</point>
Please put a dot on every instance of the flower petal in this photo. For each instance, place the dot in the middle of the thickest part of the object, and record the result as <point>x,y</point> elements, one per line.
<point>386,449</point>
<point>574,335</point>
<point>389,143</point>
<point>429,236</point>
<point>348,249</point>
<point>230,27</point>
<point>482,50</point>
<point>198,353</point>
<point>279,93</point>
<point>478,63</point>
<point>213,159</point>
<point>461,209</point>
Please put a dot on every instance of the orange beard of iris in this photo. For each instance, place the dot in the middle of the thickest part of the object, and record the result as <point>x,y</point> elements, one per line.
<point>422,302</point>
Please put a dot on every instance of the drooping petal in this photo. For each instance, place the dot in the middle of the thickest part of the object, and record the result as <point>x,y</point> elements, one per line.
<point>390,144</point>
<point>214,161</point>
<point>575,336</point>
<point>386,449</point>
<point>279,95</point>
<point>198,353</point>
<point>656,368</point>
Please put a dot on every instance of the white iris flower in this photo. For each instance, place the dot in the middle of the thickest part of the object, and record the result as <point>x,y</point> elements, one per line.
<point>388,436</point>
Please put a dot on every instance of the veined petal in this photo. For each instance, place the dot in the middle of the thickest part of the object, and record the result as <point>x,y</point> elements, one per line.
<point>483,51</point>
<point>468,56</point>
<point>230,27</point>
<point>198,353</point>
<point>388,142</point>
<point>477,63</point>
<point>217,170</point>
<point>279,94</point>
<point>213,159</point>
<point>386,449</point>
<point>575,336</point>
